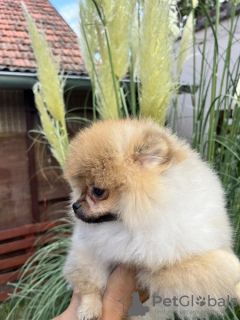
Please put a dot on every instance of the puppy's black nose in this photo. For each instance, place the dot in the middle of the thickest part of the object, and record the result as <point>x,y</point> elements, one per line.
<point>76,206</point>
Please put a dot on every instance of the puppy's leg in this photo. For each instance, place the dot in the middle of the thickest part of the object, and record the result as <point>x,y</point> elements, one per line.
<point>201,284</point>
<point>88,278</point>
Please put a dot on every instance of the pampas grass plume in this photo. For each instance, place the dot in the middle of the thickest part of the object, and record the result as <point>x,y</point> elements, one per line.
<point>155,60</point>
<point>52,134</point>
<point>48,72</point>
<point>119,30</point>
<point>49,93</point>
<point>106,71</point>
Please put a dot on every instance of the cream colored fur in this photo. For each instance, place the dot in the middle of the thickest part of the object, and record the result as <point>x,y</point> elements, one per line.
<point>171,223</point>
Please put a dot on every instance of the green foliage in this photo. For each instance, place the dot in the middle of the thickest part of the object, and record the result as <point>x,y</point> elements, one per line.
<point>185,7</point>
<point>216,127</point>
<point>43,291</point>
<point>216,135</point>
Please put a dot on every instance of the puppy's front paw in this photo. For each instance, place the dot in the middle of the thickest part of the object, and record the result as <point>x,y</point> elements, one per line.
<point>90,308</point>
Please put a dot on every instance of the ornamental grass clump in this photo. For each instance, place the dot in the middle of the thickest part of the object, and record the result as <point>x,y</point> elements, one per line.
<point>116,39</point>
<point>105,41</point>
<point>42,292</point>
<point>216,108</point>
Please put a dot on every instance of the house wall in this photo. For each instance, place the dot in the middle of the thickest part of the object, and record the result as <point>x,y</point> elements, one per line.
<point>15,190</point>
<point>185,107</point>
<point>15,204</point>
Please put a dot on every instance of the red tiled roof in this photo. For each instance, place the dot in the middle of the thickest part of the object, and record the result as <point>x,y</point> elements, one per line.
<point>16,53</point>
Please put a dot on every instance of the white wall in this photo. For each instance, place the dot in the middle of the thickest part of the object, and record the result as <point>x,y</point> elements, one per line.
<point>185,107</point>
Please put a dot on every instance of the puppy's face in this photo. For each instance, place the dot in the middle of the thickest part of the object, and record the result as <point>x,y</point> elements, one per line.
<point>94,203</point>
<point>115,167</point>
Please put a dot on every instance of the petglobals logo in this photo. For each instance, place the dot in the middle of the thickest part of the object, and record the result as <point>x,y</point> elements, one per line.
<point>191,301</point>
<point>132,305</point>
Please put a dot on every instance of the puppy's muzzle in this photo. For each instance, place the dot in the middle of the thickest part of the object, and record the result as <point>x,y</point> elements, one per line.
<point>77,208</point>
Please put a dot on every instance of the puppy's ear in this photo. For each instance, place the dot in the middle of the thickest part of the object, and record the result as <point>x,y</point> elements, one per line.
<point>153,149</point>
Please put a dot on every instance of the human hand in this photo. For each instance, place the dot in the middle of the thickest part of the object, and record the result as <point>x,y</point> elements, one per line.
<point>121,283</point>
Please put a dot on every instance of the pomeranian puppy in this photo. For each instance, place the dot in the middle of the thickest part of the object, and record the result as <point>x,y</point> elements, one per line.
<point>142,197</point>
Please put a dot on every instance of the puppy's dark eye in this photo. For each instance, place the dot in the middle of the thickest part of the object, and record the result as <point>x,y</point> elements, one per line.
<point>97,192</point>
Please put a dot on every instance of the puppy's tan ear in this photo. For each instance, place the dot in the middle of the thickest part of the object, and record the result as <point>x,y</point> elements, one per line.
<point>152,150</point>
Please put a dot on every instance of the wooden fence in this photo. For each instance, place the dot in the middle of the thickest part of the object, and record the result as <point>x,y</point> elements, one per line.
<point>16,246</point>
